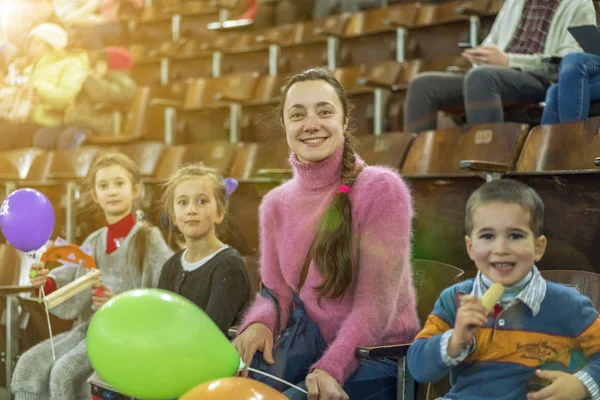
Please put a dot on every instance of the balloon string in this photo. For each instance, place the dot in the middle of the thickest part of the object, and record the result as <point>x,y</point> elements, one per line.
<point>49,325</point>
<point>277,379</point>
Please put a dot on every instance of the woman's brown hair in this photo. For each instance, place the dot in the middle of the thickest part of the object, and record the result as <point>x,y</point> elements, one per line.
<point>331,249</point>
<point>197,170</point>
<point>137,250</point>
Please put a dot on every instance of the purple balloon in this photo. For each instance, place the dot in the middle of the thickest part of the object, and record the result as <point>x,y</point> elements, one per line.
<point>27,219</point>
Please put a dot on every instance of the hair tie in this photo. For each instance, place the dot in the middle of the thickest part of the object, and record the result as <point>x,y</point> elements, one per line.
<point>344,189</point>
<point>230,186</point>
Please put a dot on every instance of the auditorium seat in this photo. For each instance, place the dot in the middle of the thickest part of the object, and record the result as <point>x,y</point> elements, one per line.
<point>389,149</point>
<point>210,109</point>
<point>260,121</point>
<point>186,19</point>
<point>131,127</point>
<point>369,88</point>
<point>262,161</point>
<point>438,30</point>
<point>10,260</point>
<point>59,175</point>
<point>146,155</point>
<point>258,168</point>
<point>371,36</point>
<point>558,162</point>
<point>245,54</point>
<point>585,282</point>
<point>311,44</point>
<point>14,167</point>
<point>441,188</point>
<point>152,62</point>
<point>195,59</point>
<point>395,109</point>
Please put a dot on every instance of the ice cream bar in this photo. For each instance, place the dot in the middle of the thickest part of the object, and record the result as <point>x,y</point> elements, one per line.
<point>491,297</point>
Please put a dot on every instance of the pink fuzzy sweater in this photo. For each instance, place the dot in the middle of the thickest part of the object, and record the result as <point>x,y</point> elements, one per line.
<point>380,306</point>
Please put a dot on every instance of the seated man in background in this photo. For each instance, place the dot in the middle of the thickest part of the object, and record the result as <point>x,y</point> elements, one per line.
<point>108,87</point>
<point>509,64</point>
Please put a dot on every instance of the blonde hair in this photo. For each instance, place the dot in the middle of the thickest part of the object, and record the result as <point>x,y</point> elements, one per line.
<point>139,241</point>
<point>187,172</point>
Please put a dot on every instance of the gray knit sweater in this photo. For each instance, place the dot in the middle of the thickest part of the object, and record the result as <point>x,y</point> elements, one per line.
<point>36,376</point>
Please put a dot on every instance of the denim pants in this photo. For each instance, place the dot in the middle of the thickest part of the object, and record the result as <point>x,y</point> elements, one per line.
<point>483,92</point>
<point>301,344</point>
<point>372,380</point>
<point>578,85</point>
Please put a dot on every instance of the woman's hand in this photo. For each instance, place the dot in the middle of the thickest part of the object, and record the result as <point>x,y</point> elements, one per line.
<point>38,274</point>
<point>101,294</point>
<point>256,337</point>
<point>322,386</point>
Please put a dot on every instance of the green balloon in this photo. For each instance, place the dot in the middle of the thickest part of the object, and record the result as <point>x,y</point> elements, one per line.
<point>154,344</point>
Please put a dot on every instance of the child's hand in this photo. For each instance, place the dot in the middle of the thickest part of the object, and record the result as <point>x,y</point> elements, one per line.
<point>470,316</point>
<point>38,275</point>
<point>563,387</point>
<point>101,294</point>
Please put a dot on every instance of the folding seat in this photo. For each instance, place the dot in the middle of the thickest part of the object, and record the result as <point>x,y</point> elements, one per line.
<point>441,188</point>
<point>558,162</point>
<point>199,58</point>
<point>59,175</point>
<point>14,167</point>
<point>210,109</point>
<point>370,88</point>
<point>129,127</point>
<point>152,63</point>
<point>377,35</point>
<point>245,54</point>
<point>174,21</point>
<point>389,149</point>
<point>315,43</point>
<point>259,121</point>
<point>10,332</point>
<point>259,167</point>
<point>440,27</point>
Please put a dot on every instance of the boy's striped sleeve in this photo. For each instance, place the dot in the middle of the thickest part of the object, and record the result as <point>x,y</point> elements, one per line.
<point>425,360</point>
<point>589,342</point>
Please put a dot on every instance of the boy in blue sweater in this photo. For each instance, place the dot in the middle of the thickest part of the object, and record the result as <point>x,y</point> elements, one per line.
<point>537,329</point>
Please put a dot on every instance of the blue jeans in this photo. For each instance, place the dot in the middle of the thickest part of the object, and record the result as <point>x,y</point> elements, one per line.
<point>372,380</point>
<point>578,85</point>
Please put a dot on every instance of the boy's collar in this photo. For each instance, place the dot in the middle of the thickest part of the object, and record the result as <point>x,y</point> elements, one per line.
<point>532,295</point>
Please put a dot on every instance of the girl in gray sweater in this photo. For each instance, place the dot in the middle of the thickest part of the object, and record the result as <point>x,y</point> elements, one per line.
<point>129,254</point>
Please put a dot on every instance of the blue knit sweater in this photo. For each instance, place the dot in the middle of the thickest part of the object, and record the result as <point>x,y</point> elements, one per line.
<point>511,345</point>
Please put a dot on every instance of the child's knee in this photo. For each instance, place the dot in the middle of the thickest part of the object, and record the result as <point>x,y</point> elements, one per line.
<point>61,372</point>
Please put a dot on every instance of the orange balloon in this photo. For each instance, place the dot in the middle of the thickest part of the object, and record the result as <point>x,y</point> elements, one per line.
<point>234,388</point>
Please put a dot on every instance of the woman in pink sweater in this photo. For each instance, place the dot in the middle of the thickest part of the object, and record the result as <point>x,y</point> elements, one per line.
<point>357,218</point>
